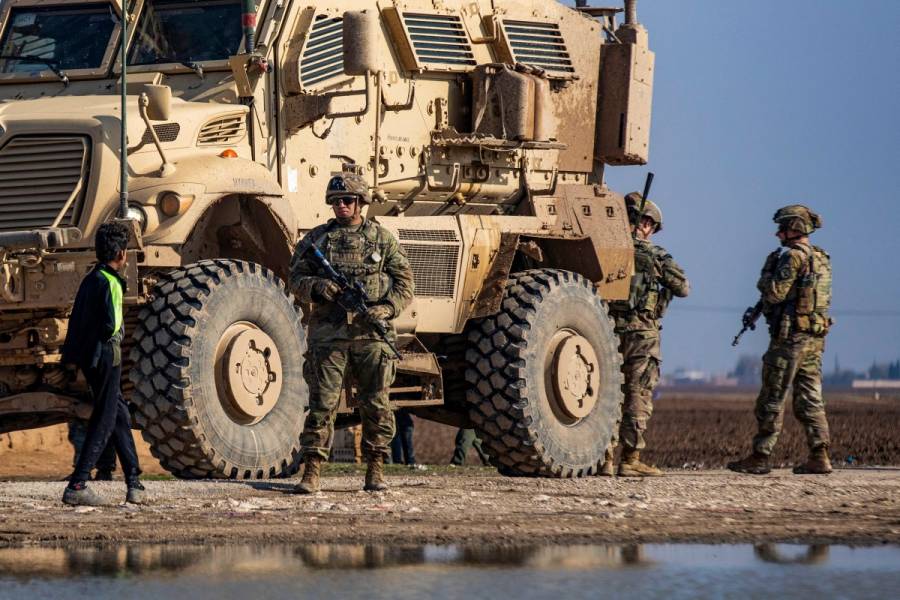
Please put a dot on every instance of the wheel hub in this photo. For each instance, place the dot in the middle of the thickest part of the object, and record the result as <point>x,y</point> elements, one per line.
<point>250,372</point>
<point>576,376</point>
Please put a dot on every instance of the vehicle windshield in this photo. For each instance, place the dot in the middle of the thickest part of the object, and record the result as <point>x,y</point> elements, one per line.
<point>67,37</point>
<point>186,31</point>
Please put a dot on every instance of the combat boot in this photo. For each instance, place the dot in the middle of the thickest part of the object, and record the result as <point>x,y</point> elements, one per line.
<point>310,484</point>
<point>755,464</point>
<point>818,463</point>
<point>375,475</point>
<point>631,465</point>
<point>608,468</point>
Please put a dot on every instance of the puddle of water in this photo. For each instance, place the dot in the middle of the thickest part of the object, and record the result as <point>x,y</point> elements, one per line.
<point>340,571</point>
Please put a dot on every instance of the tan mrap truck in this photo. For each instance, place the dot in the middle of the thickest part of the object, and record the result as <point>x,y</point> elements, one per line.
<point>484,128</point>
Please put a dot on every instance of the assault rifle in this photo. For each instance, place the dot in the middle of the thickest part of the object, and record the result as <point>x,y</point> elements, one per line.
<point>351,297</point>
<point>640,212</point>
<point>751,316</point>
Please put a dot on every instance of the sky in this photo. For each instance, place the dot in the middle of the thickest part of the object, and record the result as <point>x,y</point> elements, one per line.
<point>758,104</point>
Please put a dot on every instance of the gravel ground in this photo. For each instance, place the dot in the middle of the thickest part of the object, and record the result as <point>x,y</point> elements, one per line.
<point>473,506</point>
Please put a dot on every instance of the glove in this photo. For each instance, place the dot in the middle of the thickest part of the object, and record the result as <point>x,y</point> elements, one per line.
<point>326,289</point>
<point>748,319</point>
<point>379,312</point>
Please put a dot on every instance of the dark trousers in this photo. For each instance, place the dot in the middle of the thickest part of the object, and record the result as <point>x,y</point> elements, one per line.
<point>402,444</point>
<point>77,435</point>
<point>110,421</point>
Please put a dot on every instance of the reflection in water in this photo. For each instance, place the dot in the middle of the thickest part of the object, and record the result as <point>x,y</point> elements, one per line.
<point>815,554</point>
<point>256,561</point>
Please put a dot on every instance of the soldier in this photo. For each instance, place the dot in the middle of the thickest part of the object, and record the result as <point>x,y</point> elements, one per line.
<point>366,252</point>
<point>465,439</point>
<point>657,277</point>
<point>796,293</point>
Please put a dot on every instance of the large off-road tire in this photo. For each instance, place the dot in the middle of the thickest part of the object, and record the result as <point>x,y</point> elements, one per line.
<point>217,372</point>
<point>545,376</point>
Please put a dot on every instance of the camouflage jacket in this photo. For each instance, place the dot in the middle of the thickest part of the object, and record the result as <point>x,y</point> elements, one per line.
<point>367,253</point>
<point>657,278</point>
<point>796,290</point>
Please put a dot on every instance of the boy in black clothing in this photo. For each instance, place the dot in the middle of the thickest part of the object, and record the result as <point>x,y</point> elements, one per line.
<point>93,344</point>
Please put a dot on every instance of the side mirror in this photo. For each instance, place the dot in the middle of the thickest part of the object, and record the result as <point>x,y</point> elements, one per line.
<point>159,104</point>
<point>361,31</point>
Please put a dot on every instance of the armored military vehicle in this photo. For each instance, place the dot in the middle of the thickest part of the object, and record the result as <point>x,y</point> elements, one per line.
<point>484,128</point>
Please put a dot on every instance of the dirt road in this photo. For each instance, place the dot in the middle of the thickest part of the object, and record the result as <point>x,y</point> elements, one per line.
<point>474,506</point>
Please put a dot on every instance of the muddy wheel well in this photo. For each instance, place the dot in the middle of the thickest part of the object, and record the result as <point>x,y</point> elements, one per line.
<point>240,228</point>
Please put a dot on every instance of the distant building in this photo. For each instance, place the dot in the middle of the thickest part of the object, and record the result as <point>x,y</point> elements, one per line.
<point>876,384</point>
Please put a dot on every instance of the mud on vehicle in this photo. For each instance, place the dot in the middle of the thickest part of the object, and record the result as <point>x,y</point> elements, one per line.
<point>483,127</point>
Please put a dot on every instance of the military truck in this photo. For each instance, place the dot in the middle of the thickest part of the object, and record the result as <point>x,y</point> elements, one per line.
<point>484,128</point>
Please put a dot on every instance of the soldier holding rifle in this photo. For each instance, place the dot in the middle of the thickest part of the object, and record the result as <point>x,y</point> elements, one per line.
<point>357,279</point>
<point>657,278</point>
<point>795,287</point>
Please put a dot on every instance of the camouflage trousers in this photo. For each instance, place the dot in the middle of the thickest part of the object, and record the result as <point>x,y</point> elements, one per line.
<point>372,368</point>
<point>792,363</point>
<point>640,364</point>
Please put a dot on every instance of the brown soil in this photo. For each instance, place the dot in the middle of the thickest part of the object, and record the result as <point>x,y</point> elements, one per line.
<point>473,507</point>
<point>688,430</point>
<point>697,430</point>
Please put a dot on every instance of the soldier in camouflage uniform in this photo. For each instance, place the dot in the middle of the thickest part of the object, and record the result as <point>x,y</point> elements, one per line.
<point>657,278</point>
<point>366,252</point>
<point>796,294</point>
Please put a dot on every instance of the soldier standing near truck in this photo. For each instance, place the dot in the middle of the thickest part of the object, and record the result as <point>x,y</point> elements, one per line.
<point>656,279</point>
<point>796,294</point>
<point>93,344</point>
<point>339,342</point>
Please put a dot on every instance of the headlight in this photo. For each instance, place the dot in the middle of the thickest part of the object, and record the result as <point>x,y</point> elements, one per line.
<point>173,204</point>
<point>137,213</point>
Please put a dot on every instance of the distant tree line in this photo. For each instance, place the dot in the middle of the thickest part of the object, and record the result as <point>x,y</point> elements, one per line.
<point>748,371</point>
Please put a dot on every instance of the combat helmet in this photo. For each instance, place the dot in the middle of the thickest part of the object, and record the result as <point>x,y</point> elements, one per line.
<point>348,183</point>
<point>798,218</point>
<point>651,210</point>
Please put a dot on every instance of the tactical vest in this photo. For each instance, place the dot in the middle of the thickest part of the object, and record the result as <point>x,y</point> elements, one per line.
<point>644,294</point>
<point>813,294</point>
<point>356,253</point>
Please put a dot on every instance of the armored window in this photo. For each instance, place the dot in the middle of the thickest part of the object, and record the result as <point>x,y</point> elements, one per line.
<point>323,54</point>
<point>186,31</point>
<point>539,45</point>
<point>68,37</point>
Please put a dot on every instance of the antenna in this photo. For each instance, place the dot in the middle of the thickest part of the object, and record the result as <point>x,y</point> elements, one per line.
<point>123,150</point>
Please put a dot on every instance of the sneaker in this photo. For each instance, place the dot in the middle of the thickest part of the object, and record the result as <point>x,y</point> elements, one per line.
<point>81,495</point>
<point>417,467</point>
<point>136,493</point>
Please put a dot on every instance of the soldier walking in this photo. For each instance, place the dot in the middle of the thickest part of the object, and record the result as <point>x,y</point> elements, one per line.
<point>796,294</point>
<point>657,278</point>
<point>367,253</point>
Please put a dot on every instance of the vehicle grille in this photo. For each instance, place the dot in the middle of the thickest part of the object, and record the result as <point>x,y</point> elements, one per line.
<point>428,235</point>
<point>42,181</point>
<point>166,132</point>
<point>539,45</point>
<point>434,268</point>
<point>439,40</point>
<point>224,130</point>
<point>323,56</point>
